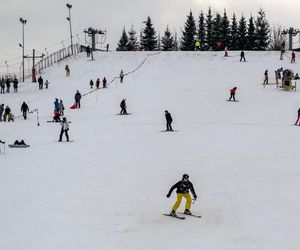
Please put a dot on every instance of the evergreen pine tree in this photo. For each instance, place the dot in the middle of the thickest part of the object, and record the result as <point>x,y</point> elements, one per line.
<point>123,42</point>
<point>148,39</point>
<point>201,29</point>
<point>242,31</point>
<point>234,34</point>
<point>225,30</point>
<point>167,40</point>
<point>262,31</point>
<point>132,40</point>
<point>188,34</point>
<point>176,47</point>
<point>209,29</point>
<point>251,41</point>
<point>216,30</point>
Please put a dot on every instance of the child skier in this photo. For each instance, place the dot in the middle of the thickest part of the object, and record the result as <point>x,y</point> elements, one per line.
<point>183,188</point>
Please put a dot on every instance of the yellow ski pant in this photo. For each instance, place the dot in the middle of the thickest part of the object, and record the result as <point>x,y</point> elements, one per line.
<point>178,201</point>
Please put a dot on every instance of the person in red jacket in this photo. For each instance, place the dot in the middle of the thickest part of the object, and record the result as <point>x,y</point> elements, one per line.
<point>98,83</point>
<point>232,93</point>
<point>293,57</point>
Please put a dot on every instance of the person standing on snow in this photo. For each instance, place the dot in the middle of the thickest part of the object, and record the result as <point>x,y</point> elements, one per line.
<point>169,120</point>
<point>64,129</point>
<point>123,107</point>
<point>98,83</point>
<point>62,107</point>
<point>232,93</point>
<point>24,109</point>
<point>298,118</point>
<point>88,51</point>
<point>1,111</point>
<point>293,60</point>
<point>183,188</point>
<point>121,76</point>
<point>266,80</point>
<point>56,105</point>
<point>104,82</point>
<point>77,99</point>
<point>40,81</point>
<point>67,69</point>
<point>243,56</point>
<point>15,85</point>
<point>91,83</point>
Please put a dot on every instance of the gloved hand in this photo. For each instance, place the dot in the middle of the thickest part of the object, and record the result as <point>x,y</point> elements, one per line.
<point>195,197</point>
<point>168,195</point>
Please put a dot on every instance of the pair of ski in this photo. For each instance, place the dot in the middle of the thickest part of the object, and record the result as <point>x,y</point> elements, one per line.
<point>182,217</point>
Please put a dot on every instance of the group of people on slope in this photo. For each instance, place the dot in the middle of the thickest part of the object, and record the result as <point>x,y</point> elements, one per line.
<point>5,84</point>
<point>41,83</point>
<point>97,85</point>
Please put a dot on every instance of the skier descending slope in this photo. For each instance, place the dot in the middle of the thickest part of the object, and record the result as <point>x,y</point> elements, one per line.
<point>123,107</point>
<point>169,120</point>
<point>64,129</point>
<point>232,94</point>
<point>183,188</point>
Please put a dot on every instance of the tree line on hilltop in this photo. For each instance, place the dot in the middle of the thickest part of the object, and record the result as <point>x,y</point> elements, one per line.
<point>212,31</point>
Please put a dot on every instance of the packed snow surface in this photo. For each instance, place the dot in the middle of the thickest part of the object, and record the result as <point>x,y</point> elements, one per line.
<point>107,189</point>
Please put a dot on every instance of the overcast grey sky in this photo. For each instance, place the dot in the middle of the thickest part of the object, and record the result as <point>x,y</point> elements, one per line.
<point>47,24</point>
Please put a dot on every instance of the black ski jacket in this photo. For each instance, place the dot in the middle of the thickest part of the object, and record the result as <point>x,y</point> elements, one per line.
<point>183,188</point>
<point>24,107</point>
<point>168,117</point>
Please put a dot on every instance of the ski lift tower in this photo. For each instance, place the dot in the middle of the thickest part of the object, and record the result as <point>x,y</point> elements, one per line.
<point>92,33</point>
<point>290,32</point>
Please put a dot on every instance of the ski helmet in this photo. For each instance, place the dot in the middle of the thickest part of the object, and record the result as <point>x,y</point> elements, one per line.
<point>185,176</point>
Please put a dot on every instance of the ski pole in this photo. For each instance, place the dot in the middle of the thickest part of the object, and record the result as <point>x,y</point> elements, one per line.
<point>194,200</point>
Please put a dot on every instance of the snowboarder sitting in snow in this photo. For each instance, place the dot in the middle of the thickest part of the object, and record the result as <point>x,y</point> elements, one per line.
<point>19,142</point>
<point>123,107</point>
<point>10,117</point>
<point>232,93</point>
<point>183,188</point>
<point>56,116</point>
<point>64,129</point>
<point>169,121</point>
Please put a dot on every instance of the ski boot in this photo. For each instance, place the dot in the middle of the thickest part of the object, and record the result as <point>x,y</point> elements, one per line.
<point>187,211</point>
<point>173,213</point>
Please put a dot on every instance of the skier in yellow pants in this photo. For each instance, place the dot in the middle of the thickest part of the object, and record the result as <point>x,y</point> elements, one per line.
<point>183,188</point>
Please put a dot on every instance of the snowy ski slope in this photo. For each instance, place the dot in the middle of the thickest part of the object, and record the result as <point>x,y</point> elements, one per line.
<point>107,189</point>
